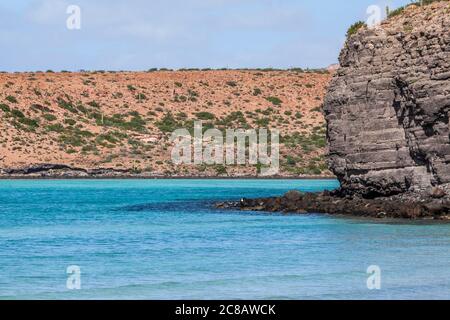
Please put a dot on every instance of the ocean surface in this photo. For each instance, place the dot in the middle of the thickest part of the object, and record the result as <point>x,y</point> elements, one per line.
<point>163,239</point>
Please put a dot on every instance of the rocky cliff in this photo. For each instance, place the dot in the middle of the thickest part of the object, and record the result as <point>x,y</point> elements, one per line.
<point>388,105</point>
<point>387,111</point>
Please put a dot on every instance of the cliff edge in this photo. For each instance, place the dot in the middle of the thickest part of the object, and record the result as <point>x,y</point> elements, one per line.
<point>387,111</point>
<point>387,107</point>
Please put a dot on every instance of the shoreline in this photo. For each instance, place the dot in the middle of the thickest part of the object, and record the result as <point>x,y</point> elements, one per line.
<point>131,177</point>
<point>52,171</point>
<point>425,205</point>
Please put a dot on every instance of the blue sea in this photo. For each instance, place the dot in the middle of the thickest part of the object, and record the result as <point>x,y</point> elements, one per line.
<point>164,239</point>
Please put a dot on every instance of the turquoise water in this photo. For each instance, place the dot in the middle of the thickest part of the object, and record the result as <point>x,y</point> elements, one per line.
<point>163,239</point>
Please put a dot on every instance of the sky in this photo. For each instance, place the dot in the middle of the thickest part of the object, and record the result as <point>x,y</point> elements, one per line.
<point>143,34</point>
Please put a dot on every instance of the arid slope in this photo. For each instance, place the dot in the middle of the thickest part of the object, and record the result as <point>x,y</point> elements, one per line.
<point>123,120</point>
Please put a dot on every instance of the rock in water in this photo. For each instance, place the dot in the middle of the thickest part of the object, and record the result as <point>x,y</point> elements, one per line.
<point>388,105</point>
<point>387,111</point>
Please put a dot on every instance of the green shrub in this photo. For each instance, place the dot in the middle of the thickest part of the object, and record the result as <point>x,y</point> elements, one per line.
<point>400,10</point>
<point>49,117</point>
<point>94,104</point>
<point>141,96</point>
<point>11,99</point>
<point>257,92</point>
<point>109,137</point>
<point>354,28</point>
<point>181,116</point>
<point>220,169</point>
<point>55,128</point>
<point>205,115</point>
<point>291,161</point>
<point>70,122</point>
<point>274,100</point>
<point>168,123</point>
<point>17,113</point>
<point>268,111</point>
<point>395,12</point>
<point>73,140</point>
<point>29,122</point>
<point>41,108</point>
<point>67,105</point>
<point>5,107</point>
<point>236,117</point>
<point>262,122</point>
<point>317,109</point>
<point>136,123</point>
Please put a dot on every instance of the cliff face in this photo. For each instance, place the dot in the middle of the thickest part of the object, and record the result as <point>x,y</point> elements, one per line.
<point>388,106</point>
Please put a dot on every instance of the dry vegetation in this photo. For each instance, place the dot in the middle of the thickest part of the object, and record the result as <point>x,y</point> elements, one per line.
<point>123,120</point>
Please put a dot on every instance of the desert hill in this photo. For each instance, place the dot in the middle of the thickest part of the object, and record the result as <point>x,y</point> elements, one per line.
<point>121,121</point>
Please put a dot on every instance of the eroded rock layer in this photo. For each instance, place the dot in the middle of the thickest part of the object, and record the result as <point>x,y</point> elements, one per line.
<point>387,107</point>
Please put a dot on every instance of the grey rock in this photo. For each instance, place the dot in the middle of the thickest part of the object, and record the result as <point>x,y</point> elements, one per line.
<point>437,193</point>
<point>293,195</point>
<point>388,105</point>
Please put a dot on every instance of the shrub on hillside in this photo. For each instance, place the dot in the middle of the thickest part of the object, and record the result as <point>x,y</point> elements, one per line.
<point>4,107</point>
<point>275,101</point>
<point>11,99</point>
<point>205,115</point>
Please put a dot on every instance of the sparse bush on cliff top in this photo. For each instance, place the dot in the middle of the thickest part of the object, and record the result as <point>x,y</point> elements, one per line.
<point>400,10</point>
<point>395,12</point>
<point>354,28</point>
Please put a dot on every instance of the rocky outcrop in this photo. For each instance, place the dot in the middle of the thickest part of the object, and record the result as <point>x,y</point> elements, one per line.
<point>387,111</point>
<point>388,106</point>
<point>403,206</point>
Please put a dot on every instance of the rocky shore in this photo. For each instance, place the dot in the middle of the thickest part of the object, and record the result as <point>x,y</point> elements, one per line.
<point>62,171</point>
<point>433,204</point>
<point>387,111</point>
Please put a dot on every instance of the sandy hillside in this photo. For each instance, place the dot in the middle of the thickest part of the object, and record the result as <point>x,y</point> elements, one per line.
<point>123,120</point>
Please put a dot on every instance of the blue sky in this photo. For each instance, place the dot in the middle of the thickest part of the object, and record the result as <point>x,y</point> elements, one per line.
<point>141,34</point>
